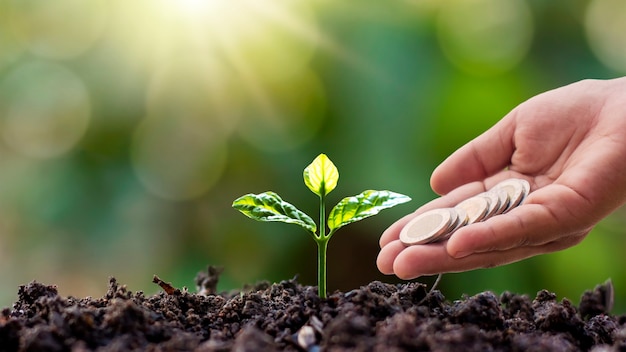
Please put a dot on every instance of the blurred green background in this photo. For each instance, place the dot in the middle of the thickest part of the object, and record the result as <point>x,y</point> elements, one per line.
<point>127,128</point>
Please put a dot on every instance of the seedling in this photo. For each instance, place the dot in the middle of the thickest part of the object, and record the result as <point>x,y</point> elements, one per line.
<point>321,177</point>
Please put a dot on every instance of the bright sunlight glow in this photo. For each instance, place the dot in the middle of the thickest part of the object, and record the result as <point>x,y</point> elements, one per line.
<point>228,65</point>
<point>211,62</point>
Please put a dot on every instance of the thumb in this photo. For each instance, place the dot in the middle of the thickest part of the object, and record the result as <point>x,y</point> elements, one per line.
<point>483,156</point>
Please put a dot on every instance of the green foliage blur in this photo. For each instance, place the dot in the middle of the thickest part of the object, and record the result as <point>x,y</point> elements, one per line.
<point>127,128</point>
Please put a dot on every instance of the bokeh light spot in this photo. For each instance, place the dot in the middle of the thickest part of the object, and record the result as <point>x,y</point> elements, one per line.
<point>214,66</point>
<point>260,40</point>
<point>10,50</point>
<point>484,37</point>
<point>194,86</point>
<point>605,25</point>
<point>58,29</point>
<point>281,39</point>
<point>44,109</point>
<point>179,148</point>
<point>178,157</point>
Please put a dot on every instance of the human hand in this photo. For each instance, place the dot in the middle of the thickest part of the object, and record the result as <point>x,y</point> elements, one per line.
<point>569,143</point>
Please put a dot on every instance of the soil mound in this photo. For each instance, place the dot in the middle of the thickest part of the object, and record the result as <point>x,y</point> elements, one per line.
<point>287,316</point>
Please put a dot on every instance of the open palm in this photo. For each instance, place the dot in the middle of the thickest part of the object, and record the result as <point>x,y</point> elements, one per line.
<point>569,143</point>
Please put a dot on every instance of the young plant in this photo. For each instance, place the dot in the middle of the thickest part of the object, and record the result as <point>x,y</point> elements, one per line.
<point>321,177</point>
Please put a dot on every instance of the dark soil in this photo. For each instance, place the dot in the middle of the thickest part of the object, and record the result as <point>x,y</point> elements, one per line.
<point>289,316</point>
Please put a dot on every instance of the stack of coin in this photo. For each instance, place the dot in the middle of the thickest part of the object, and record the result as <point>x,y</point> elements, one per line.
<point>439,224</point>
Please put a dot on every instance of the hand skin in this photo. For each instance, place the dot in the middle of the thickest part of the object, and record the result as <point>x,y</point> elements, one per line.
<point>569,143</point>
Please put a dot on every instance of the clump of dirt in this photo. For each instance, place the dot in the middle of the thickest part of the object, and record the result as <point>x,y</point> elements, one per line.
<point>287,316</point>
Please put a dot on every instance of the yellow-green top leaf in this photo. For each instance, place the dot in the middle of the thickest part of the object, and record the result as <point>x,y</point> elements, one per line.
<point>321,175</point>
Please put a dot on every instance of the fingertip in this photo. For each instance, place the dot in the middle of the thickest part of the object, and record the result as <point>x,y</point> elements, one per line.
<point>436,182</point>
<point>386,237</point>
<point>404,267</point>
<point>460,254</point>
<point>392,233</point>
<point>458,245</point>
<point>404,273</point>
<point>447,176</point>
<point>387,256</point>
<point>481,157</point>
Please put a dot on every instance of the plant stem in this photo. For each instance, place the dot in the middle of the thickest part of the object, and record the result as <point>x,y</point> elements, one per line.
<point>322,244</point>
<point>321,267</point>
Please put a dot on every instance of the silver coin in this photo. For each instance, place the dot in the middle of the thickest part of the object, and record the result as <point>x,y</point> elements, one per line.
<point>439,224</point>
<point>516,188</point>
<point>426,226</point>
<point>504,200</point>
<point>526,188</point>
<point>476,208</point>
<point>462,219</point>
<point>494,203</point>
<point>458,218</point>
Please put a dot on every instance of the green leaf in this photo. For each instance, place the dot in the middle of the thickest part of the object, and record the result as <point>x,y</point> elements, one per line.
<point>321,175</point>
<point>364,205</point>
<point>268,206</point>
